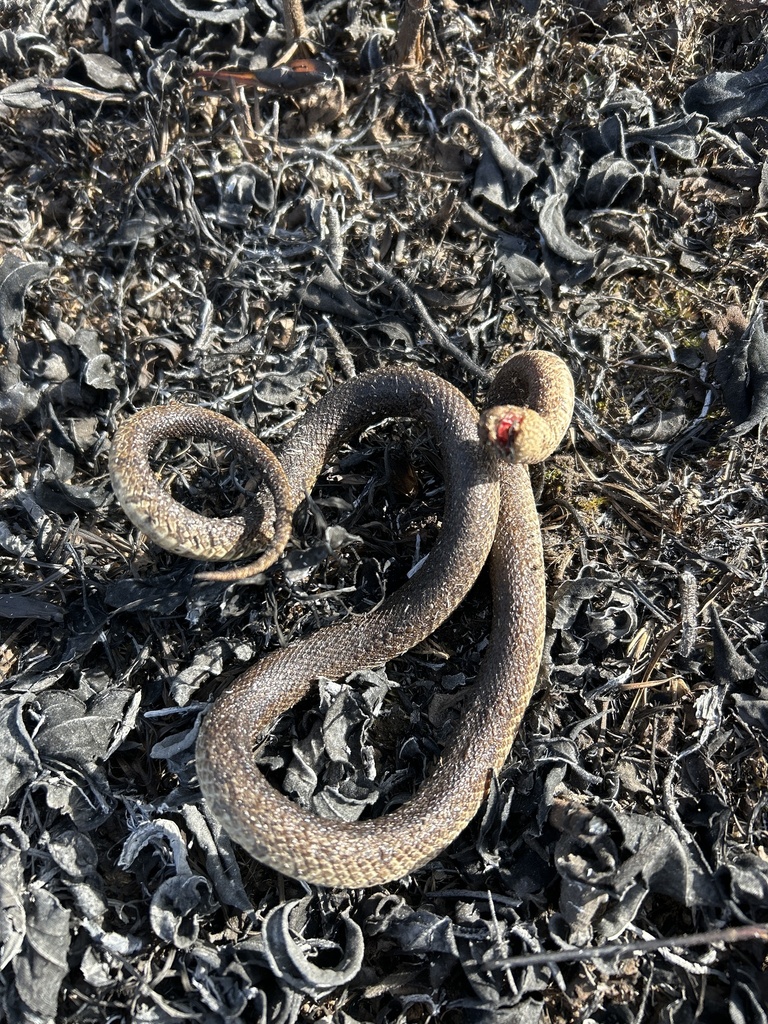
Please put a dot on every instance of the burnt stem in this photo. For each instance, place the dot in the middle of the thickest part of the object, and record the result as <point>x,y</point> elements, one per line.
<point>409,45</point>
<point>295,22</point>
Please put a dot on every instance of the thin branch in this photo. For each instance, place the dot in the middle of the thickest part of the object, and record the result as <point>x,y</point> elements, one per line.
<point>295,22</point>
<point>746,933</point>
<point>410,298</point>
<point>409,45</point>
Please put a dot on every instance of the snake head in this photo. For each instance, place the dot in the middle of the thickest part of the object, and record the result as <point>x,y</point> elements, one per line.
<point>513,431</point>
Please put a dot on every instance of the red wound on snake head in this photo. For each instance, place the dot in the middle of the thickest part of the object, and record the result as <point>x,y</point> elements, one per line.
<point>508,425</point>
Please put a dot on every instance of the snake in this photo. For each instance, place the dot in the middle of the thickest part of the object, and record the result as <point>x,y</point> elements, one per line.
<point>489,514</point>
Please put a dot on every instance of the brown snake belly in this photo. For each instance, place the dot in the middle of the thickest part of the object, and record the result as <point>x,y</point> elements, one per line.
<point>489,511</point>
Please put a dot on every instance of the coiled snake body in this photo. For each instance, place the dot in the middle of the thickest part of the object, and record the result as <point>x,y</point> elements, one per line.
<point>489,509</point>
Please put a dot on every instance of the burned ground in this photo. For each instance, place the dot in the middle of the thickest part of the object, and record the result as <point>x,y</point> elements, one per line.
<point>588,178</point>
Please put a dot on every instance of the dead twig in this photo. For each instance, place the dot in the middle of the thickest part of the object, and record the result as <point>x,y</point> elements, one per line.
<point>748,933</point>
<point>409,45</point>
<point>411,299</point>
<point>295,22</point>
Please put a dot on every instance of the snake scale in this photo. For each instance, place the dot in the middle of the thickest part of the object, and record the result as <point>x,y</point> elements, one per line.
<point>489,512</point>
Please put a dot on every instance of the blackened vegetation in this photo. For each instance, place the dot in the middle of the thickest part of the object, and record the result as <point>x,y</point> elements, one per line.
<point>590,178</point>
